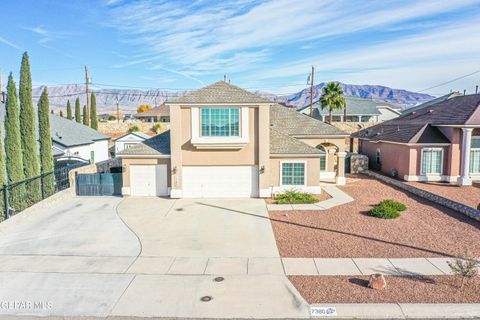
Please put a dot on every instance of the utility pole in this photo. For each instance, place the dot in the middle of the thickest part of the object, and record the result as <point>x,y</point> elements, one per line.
<point>476,88</point>
<point>311,92</point>
<point>88,98</point>
<point>118,111</point>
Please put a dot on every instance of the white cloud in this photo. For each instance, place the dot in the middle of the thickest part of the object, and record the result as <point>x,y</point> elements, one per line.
<point>10,44</point>
<point>200,39</point>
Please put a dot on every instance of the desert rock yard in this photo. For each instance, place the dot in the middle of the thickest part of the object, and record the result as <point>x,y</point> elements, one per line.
<point>468,195</point>
<point>423,230</point>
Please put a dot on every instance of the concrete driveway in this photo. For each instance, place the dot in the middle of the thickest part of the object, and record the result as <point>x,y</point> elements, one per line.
<point>144,257</point>
<point>200,227</point>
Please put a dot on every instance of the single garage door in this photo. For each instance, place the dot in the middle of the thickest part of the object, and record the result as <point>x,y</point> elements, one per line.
<point>220,181</point>
<point>148,180</point>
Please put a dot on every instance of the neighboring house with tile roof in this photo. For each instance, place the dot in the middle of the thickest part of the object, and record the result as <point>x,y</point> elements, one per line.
<point>157,114</point>
<point>437,142</point>
<point>227,142</point>
<point>357,110</point>
<point>72,141</point>
<point>129,140</point>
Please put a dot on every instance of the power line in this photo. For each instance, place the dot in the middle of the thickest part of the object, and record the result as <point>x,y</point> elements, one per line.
<point>450,81</point>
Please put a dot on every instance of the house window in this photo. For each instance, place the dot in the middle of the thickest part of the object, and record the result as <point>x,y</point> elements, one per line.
<point>323,158</point>
<point>220,122</point>
<point>293,173</point>
<point>475,156</point>
<point>432,161</point>
<point>129,145</point>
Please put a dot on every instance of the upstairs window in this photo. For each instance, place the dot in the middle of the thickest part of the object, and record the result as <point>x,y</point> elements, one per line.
<point>220,122</point>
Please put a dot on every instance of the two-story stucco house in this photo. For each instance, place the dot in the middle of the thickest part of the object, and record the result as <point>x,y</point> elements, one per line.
<point>227,142</point>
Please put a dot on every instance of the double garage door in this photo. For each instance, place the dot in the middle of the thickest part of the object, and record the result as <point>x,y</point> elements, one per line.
<point>198,182</point>
<point>220,182</point>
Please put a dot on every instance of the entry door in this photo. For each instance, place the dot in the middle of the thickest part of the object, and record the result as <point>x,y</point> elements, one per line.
<point>148,180</point>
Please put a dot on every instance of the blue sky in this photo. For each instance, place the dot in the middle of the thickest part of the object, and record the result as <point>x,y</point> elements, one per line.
<point>261,45</point>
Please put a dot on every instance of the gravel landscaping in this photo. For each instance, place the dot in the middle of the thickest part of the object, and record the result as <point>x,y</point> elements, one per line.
<point>352,289</point>
<point>468,195</point>
<point>346,231</point>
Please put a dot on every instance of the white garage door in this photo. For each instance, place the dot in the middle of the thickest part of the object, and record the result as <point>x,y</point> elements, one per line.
<point>224,182</point>
<point>148,180</point>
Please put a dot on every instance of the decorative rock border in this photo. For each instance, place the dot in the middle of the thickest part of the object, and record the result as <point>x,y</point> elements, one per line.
<point>457,206</point>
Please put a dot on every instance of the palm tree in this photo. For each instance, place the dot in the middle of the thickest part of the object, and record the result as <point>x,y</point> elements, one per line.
<point>332,98</point>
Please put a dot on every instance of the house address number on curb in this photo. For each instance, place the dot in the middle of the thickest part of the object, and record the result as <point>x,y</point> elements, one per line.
<point>323,311</point>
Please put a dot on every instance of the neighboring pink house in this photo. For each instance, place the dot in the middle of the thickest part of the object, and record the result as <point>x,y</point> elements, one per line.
<point>439,142</point>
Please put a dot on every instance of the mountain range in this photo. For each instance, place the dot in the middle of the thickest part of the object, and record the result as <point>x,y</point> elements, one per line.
<point>129,99</point>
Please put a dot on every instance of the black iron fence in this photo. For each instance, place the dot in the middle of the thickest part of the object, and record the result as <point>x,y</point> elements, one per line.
<point>20,195</point>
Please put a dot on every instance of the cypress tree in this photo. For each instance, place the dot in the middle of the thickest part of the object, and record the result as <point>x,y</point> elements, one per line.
<point>46,157</point>
<point>61,113</point>
<point>2,177</point>
<point>69,111</point>
<point>13,147</point>
<point>78,115</point>
<point>85,118</point>
<point>93,112</point>
<point>28,133</point>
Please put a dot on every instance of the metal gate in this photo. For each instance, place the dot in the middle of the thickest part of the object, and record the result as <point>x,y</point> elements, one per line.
<point>347,163</point>
<point>99,184</point>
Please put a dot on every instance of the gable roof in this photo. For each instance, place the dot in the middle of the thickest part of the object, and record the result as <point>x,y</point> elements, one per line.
<point>157,145</point>
<point>283,144</point>
<point>419,126</point>
<point>160,111</point>
<point>220,92</point>
<point>69,133</point>
<point>293,123</point>
<point>135,133</point>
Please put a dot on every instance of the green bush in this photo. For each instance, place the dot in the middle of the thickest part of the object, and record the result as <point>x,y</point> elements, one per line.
<point>393,204</point>
<point>295,197</point>
<point>387,209</point>
<point>134,129</point>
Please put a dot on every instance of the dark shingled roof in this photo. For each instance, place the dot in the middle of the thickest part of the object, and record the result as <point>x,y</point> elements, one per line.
<point>419,126</point>
<point>157,145</point>
<point>220,92</point>
<point>294,123</point>
<point>283,144</point>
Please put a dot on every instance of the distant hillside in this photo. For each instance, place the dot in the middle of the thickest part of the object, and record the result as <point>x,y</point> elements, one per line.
<point>372,92</point>
<point>129,99</point>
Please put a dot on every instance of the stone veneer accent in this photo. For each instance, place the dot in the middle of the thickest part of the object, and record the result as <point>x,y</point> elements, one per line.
<point>358,163</point>
<point>459,207</point>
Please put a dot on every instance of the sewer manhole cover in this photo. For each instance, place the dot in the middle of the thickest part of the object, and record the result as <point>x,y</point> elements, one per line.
<point>219,279</point>
<point>206,298</point>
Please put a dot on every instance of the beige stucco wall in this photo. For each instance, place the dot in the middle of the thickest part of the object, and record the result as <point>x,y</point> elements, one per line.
<point>127,162</point>
<point>313,170</point>
<point>192,156</point>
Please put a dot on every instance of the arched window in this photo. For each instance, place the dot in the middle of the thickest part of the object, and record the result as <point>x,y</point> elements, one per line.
<point>323,158</point>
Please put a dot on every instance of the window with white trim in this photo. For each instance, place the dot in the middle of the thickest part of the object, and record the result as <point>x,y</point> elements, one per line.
<point>432,161</point>
<point>220,122</point>
<point>378,156</point>
<point>128,145</point>
<point>475,155</point>
<point>293,173</point>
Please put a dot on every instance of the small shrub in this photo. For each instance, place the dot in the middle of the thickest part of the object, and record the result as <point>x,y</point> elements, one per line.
<point>464,266</point>
<point>295,197</point>
<point>134,129</point>
<point>384,212</point>
<point>157,127</point>
<point>393,204</point>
